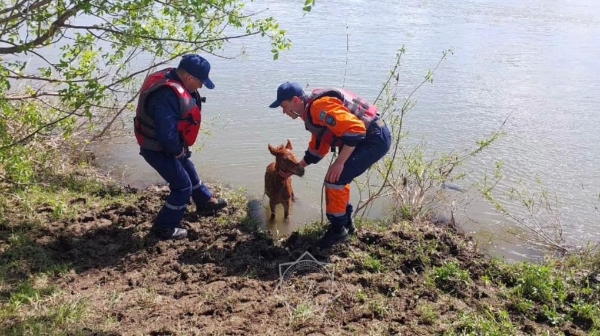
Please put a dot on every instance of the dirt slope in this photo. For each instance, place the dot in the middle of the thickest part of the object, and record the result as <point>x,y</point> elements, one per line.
<point>225,279</point>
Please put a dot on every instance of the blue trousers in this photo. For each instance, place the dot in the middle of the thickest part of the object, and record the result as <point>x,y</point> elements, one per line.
<point>183,182</point>
<point>374,147</point>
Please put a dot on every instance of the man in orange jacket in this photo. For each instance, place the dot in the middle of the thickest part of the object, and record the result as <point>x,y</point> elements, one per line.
<point>337,118</point>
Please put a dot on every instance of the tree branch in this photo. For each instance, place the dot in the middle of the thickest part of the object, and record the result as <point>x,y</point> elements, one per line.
<point>32,96</point>
<point>114,118</point>
<point>56,25</point>
<point>20,10</point>
<point>154,38</point>
<point>100,107</point>
<point>41,128</point>
<point>133,74</point>
<point>51,80</point>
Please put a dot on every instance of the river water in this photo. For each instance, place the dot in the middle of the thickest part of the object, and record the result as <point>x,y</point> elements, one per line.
<point>535,61</point>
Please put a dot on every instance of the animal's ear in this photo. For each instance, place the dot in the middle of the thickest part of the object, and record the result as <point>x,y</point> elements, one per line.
<point>289,144</point>
<point>272,149</point>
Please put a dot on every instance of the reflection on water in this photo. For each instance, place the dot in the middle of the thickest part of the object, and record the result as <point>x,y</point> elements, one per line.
<point>533,60</point>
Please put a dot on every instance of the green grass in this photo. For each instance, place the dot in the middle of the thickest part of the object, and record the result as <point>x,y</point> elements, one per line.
<point>537,283</point>
<point>36,308</point>
<point>71,197</point>
<point>380,226</point>
<point>25,294</point>
<point>587,311</point>
<point>30,304</point>
<point>312,230</point>
<point>422,253</point>
<point>428,313</point>
<point>450,277</point>
<point>378,305</point>
<point>372,264</point>
<point>52,320</point>
<point>22,255</point>
<point>303,312</point>
<point>361,296</point>
<point>485,322</point>
<point>554,292</point>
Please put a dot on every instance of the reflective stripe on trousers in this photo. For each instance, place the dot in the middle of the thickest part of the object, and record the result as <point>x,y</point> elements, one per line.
<point>337,198</point>
<point>183,182</point>
<point>367,152</point>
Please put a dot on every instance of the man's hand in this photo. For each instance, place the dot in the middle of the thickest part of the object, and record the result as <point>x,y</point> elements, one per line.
<point>334,172</point>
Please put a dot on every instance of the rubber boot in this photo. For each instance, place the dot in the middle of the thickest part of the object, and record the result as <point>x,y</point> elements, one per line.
<point>350,225</point>
<point>336,232</point>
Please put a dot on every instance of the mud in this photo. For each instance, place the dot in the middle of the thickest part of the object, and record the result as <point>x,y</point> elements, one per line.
<point>225,278</point>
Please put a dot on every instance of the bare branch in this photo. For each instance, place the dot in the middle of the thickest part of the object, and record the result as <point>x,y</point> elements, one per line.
<point>32,96</point>
<point>114,118</point>
<point>41,57</point>
<point>58,108</point>
<point>41,128</point>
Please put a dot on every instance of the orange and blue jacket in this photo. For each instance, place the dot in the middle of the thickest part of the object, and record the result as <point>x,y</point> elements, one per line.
<point>335,117</point>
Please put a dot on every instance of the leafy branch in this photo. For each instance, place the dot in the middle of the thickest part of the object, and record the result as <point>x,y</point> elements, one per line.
<point>94,79</point>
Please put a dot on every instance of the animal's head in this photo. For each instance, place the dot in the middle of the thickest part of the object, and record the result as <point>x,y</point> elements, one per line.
<point>285,160</point>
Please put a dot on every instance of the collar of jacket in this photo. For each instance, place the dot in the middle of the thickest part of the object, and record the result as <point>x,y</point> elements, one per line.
<point>173,75</point>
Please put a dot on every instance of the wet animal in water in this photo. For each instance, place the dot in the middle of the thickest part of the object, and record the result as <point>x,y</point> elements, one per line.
<point>278,181</point>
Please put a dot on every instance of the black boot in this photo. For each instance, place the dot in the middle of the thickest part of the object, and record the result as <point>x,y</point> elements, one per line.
<point>211,207</point>
<point>170,233</point>
<point>336,233</point>
<point>350,225</point>
<point>333,236</point>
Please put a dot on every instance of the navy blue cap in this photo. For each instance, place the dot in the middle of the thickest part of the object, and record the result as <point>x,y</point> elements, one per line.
<point>287,91</point>
<point>198,67</point>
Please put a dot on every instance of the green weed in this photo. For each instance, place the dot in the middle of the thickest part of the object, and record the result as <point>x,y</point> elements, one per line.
<point>428,314</point>
<point>372,264</point>
<point>450,277</point>
<point>536,283</point>
<point>485,323</point>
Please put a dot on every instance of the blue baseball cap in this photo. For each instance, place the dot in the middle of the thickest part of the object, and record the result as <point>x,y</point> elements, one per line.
<point>287,91</point>
<point>198,67</point>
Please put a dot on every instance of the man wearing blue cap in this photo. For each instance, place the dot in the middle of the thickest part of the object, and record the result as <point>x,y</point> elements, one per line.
<point>167,123</point>
<point>337,118</point>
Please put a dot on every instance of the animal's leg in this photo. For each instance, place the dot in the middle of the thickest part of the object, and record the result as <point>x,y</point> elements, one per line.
<point>286,208</point>
<point>272,206</point>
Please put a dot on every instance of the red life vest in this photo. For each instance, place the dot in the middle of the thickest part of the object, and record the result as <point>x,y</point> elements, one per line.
<point>356,105</point>
<point>190,112</point>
